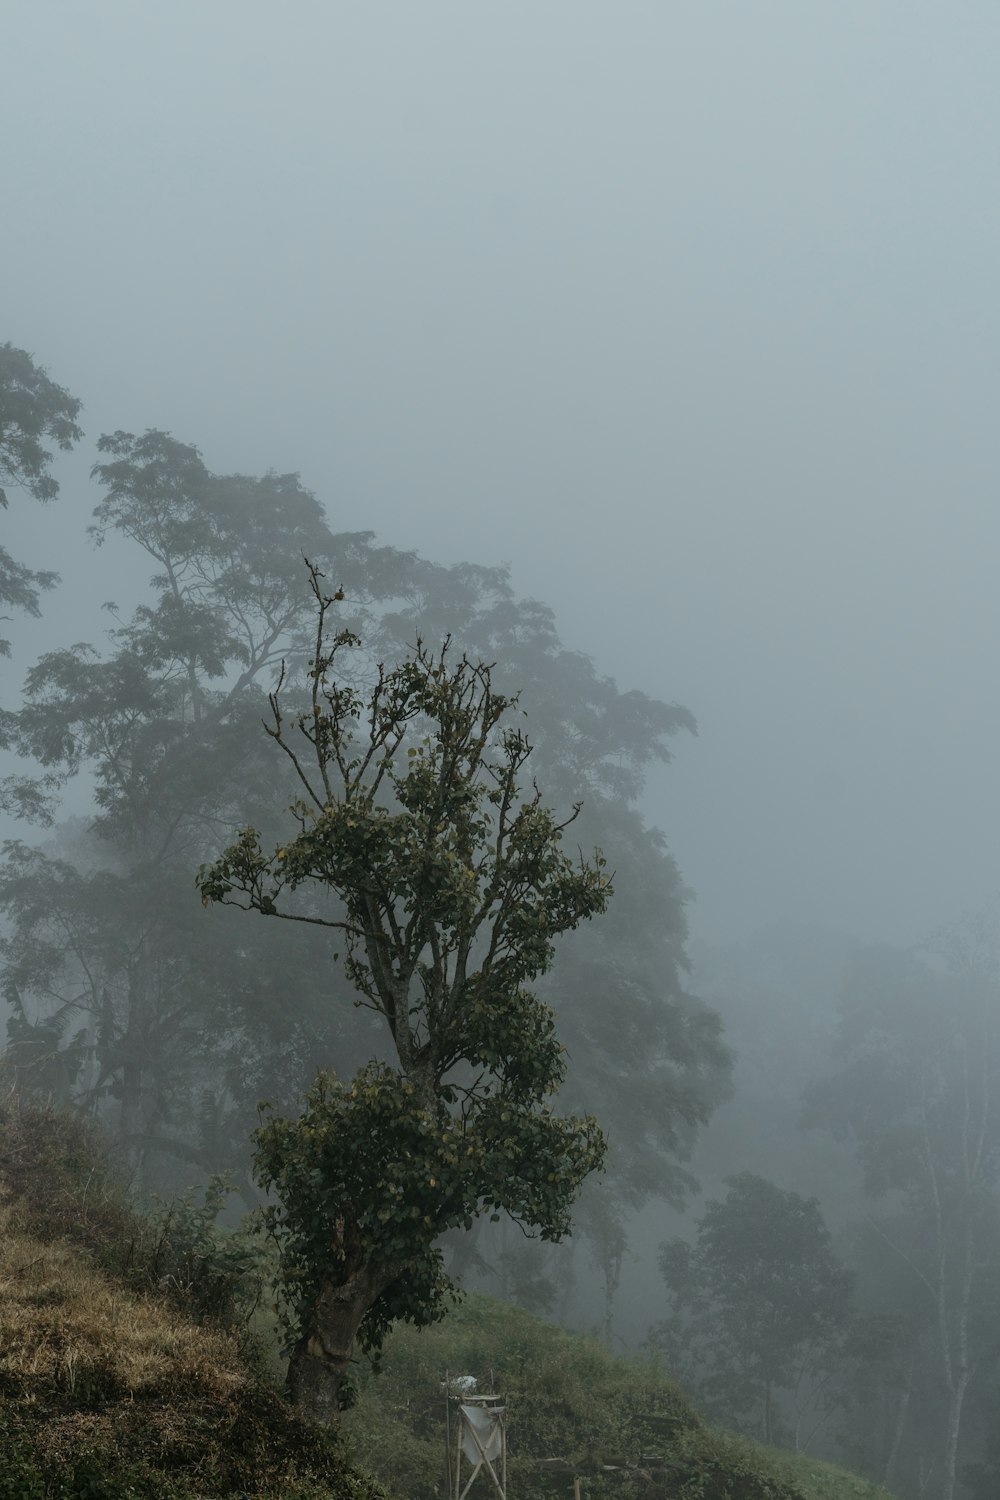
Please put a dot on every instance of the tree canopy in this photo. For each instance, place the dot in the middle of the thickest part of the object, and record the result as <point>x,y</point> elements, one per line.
<point>913,1091</point>
<point>34,411</point>
<point>760,1306</point>
<point>450,885</point>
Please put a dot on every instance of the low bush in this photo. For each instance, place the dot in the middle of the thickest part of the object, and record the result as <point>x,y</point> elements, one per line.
<point>217,1274</point>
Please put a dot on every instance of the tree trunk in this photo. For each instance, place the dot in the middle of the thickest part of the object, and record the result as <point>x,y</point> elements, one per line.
<point>134,1122</point>
<point>133,1051</point>
<point>952,1435</point>
<point>319,1364</point>
<point>568,1278</point>
<point>899,1427</point>
<point>959,1367</point>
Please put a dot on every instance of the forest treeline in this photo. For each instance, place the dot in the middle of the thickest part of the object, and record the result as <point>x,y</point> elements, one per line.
<point>171,1018</point>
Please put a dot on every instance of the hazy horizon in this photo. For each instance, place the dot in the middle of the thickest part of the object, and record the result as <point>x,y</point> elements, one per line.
<point>686,312</point>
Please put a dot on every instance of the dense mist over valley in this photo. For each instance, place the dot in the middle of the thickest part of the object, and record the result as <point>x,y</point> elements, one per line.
<point>648,356</point>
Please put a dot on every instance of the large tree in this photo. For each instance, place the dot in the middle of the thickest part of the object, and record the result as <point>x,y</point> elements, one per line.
<point>163,720</point>
<point>445,876</point>
<point>181,1034</point>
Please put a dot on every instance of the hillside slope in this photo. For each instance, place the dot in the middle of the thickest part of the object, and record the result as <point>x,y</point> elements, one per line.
<point>111,1390</point>
<point>574,1411</point>
<point>108,1389</point>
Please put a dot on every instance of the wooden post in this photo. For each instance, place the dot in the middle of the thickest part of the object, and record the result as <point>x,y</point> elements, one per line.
<point>576,1488</point>
<point>447,1432</point>
<point>503,1452</point>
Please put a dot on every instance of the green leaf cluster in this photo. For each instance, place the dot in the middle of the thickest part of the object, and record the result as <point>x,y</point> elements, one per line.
<point>372,1172</point>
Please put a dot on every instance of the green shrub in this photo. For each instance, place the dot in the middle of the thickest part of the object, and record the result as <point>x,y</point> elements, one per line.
<point>20,1478</point>
<point>218,1275</point>
<point>96,1477</point>
<point>568,1398</point>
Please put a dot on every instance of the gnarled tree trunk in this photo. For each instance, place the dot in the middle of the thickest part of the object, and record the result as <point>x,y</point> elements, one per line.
<point>319,1363</point>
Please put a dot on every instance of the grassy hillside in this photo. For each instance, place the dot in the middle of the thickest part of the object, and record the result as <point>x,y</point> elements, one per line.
<point>112,1388</point>
<point>109,1389</point>
<point>568,1399</point>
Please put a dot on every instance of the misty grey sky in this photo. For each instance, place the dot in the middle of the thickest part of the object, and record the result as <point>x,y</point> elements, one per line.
<point>687,310</point>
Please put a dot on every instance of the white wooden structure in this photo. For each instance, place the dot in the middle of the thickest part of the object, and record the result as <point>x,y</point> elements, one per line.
<point>477,1440</point>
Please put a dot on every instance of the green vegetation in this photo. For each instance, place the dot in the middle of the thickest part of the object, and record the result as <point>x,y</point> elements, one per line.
<point>760,1312</point>
<point>128,1364</point>
<point>130,1001</point>
<point>623,1427</point>
<point>820,1481</point>
<point>127,1371</point>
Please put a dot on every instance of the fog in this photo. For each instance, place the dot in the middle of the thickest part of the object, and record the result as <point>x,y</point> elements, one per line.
<point>686,312</point>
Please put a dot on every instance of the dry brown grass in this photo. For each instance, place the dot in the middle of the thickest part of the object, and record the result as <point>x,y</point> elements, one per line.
<point>92,1368</point>
<point>62,1172</point>
<point>61,1316</point>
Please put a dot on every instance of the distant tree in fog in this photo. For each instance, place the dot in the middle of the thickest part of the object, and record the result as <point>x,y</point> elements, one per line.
<point>34,411</point>
<point>760,1310</point>
<point>917,1092</point>
<point>163,719</point>
<point>180,1022</point>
